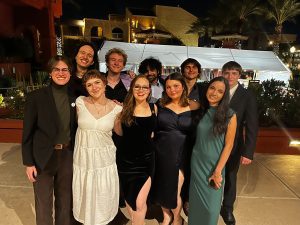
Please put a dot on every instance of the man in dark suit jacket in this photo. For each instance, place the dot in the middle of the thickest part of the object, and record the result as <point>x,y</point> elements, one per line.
<point>243,102</point>
<point>47,145</point>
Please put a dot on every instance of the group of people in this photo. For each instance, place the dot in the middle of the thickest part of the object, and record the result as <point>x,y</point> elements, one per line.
<point>91,139</point>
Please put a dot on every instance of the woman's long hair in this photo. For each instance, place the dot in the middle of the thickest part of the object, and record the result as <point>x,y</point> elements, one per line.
<point>129,103</point>
<point>220,119</point>
<point>184,101</point>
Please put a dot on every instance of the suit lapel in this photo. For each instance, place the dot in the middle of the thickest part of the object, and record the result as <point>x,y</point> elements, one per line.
<point>72,100</point>
<point>236,97</point>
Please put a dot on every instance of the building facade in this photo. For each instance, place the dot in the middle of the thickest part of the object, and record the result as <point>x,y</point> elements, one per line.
<point>159,25</point>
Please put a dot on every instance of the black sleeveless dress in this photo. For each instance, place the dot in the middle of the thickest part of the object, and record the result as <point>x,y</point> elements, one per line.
<point>135,156</point>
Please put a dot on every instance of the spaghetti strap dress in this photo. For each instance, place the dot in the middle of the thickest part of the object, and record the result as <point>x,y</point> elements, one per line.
<point>135,156</point>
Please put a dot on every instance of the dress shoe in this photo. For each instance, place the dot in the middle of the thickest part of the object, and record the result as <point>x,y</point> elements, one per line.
<point>228,217</point>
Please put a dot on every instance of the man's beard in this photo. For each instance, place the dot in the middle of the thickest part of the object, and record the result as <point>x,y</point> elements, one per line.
<point>191,78</point>
<point>151,78</point>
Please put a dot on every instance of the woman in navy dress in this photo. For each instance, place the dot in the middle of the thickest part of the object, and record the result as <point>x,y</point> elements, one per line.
<point>173,141</point>
<point>135,156</point>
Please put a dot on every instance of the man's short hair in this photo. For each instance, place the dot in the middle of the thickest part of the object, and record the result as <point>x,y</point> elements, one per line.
<point>117,51</point>
<point>232,65</point>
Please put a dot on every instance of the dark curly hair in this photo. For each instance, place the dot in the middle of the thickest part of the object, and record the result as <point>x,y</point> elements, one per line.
<point>151,63</point>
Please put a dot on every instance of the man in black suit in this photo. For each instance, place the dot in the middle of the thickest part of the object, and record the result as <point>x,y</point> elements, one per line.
<point>243,102</point>
<point>47,145</point>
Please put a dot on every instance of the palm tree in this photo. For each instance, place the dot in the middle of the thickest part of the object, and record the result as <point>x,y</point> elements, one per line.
<point>245,10</point>
<point>281,11</point>
<point>229,16</point>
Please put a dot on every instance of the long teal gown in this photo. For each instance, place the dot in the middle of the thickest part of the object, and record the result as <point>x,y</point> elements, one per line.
<point>205,201</point>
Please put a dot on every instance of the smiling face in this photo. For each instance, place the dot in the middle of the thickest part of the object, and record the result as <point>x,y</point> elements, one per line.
<point>115,63</point>
<point>191,71</point>
<point>60,73</point>
<point>215,93</point>
<point>85,56</point>
<point>95,87</point>
<point>232,76</point>
<point>152,75</point>
<point>141,89</point>
<point>174,89</point>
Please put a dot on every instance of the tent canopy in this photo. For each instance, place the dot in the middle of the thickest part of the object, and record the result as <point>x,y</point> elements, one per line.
<point>265,64</point>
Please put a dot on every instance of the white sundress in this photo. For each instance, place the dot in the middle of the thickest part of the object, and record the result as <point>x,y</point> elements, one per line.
<point>95,177</point>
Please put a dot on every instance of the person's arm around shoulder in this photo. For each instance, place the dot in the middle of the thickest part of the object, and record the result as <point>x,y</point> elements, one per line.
<point>229,141</point>
<point>194,105</point>
<point>155,111</point>
<point>118,124</point>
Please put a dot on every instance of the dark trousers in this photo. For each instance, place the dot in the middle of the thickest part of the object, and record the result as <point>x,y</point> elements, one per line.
<point>231,170</point>
<point>55,179</point>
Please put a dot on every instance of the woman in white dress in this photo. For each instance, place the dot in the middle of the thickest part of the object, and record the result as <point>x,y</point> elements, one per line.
<point>95,176</point>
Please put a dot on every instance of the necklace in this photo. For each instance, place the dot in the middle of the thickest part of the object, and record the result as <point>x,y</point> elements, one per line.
<point>102,109</point>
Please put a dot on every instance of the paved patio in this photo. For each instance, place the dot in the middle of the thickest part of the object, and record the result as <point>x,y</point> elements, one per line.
<point>268,192</point>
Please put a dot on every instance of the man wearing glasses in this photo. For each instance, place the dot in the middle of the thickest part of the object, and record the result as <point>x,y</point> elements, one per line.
<point>47,145</point>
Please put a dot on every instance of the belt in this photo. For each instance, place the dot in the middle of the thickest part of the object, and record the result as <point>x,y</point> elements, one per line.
<point>61,146</point>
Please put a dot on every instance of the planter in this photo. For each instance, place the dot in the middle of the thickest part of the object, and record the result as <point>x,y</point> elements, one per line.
<point>5,112</point>
<point>11,131</point>
<point>277,140</point>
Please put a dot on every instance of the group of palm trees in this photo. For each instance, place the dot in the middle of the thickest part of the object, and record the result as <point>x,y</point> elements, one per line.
<point>246,16</point>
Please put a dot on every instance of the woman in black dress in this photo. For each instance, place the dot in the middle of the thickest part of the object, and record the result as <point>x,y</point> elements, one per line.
<point>135,156</point>
<point>173,140</point>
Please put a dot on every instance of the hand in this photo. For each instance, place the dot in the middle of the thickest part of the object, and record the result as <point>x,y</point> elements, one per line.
<point>31,173</point>
<point>245,161</point>
<point>131,74</point>
<point>117,102</point>
<point>217,180</point>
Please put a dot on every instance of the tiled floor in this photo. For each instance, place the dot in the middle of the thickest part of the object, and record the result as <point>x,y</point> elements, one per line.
<point>268,191</point>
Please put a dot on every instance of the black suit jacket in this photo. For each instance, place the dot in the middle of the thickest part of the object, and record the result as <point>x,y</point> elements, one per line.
<point>40,126</point>
<point>243,102</point>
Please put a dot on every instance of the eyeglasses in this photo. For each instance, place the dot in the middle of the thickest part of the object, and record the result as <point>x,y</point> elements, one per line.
<point>57,70</point>
<point>143,88</point>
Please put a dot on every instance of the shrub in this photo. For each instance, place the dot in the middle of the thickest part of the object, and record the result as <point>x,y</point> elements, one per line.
<point>278,103</point>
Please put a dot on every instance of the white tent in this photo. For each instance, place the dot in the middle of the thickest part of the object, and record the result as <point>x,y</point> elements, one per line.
<point>265,64</point>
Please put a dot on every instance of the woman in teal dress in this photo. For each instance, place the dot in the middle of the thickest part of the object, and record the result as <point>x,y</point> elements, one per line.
<point>214,142</point>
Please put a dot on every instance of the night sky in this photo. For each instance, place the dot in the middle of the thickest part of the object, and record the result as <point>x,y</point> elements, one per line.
<point>100,9</point>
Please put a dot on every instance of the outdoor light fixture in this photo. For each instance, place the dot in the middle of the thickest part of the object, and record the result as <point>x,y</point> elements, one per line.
<point>294,143</point>
<point>292,49</point>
